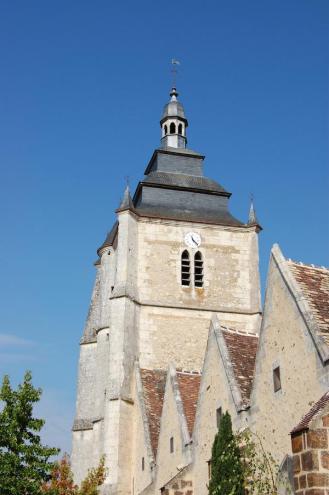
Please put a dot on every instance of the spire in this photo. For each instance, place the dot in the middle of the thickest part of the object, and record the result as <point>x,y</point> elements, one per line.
<point>127,202</point>
<point>252,219</point>
<point>173,123</point>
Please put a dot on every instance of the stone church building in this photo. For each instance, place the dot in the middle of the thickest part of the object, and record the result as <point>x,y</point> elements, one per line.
<point>176,335</point>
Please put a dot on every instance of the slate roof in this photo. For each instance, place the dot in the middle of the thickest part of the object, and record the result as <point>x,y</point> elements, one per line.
<point>189,384</point>
<point>187,215</point>
<point>154,382</point>
<point>185,181</point>
<point>314,284</point>
<point>242,349</point>
<point>315,411</point>
<point>110,237</point>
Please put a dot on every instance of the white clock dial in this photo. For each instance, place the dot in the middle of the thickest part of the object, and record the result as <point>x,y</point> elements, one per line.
<point>192,239</point>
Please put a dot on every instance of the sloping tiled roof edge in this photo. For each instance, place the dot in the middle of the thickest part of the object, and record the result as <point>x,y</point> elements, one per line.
<point>179,404</point>
<point>153,389</point>
<point>146,428</point>
<point>223,350</point>
<point>301,302</point>
<point>189,387</point>
<point>314,412</point>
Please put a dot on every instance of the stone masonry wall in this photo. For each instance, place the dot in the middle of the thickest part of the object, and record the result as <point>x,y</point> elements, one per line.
<point>311,459</point>
<point>178,487</point>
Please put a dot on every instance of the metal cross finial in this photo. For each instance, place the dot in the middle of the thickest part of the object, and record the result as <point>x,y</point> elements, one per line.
<point>174,71</point>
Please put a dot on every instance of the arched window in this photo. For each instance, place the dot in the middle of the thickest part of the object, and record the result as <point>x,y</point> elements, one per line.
<point>180,129</point>
<point>172,128</point>
<point>186,268</point>
<point>198,270</point>
<point>165,129</point>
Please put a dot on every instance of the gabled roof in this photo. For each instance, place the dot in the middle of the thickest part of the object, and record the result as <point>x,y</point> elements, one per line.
<point>189,384</point>
<point>314,283</point>
<point>242,349</point>
<point>309,286</point>
<point>314,412</point>
<point>153,382</point>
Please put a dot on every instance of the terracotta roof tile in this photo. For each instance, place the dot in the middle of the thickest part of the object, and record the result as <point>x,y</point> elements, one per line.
<point>154,382</point>
<point>313,412</point>
<point>242,348</point>
<point>314,284</point>
<point>189,384</point>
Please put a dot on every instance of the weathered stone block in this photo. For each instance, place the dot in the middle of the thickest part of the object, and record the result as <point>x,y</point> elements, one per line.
<point>297,443</point>
<point>296,463</point>
<point>325,420</point>
<point>302,481</point>
<point>325,459</point>
<point>317,439</point>
<point>310,461</point>
<point>317,479</point>
<point>315,491</point>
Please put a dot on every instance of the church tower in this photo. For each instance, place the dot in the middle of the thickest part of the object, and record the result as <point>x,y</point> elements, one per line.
<point>174,257</point>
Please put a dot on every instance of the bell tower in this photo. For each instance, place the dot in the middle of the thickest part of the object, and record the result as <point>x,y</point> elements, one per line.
<point>174,257</point>
<point>173,123</point>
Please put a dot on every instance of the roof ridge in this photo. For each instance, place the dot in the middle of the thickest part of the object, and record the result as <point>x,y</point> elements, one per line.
<point>237,331</point>
<point>308,265</point>
<point>188,373</point>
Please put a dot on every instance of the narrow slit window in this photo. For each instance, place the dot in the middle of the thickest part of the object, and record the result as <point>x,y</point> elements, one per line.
<point>198,270</point>
<point>171,445</point>
<point>172,128</point>
<point>186,269</point>
<point>143,463</point>
<point>276,379</point>
<point>165,130</point>
<point>218,416</point>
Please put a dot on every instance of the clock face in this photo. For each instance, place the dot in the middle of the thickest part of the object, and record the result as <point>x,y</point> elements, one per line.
<point>192,239</point>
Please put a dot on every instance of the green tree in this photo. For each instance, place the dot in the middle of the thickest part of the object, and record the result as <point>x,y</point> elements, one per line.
<point>226,467</point>
<point>24,461</point>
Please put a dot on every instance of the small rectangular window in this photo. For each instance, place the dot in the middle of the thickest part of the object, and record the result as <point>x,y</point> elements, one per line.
<point>276,379</point>
<point>209,469</point>
<point>218,416</point>
<point>143,463</point>
<point>171,445</point>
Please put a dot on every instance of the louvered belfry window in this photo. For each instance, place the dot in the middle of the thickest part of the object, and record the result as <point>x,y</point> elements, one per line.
<point>186,268</point>
<point>198,270</point>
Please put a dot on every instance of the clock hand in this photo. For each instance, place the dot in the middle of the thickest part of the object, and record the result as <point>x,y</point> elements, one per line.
<point>194,240</point>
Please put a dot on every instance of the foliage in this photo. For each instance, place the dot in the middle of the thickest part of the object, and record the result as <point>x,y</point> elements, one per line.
<point>226,467</point>
<point>95,478</point>
<point>61,482</point>
<point>24,461</point>
<point>261,472</point>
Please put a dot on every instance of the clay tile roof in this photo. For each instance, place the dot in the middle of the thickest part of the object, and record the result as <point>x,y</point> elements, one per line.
<point>312,413</point>
<point>189,384</point>
<point>314,284</point>
<point>154,382</point>
<point>242,348</point>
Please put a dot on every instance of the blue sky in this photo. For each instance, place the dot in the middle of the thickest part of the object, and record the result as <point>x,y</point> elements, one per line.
<point>82,87</point>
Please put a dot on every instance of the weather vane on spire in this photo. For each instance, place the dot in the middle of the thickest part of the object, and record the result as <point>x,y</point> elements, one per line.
<point>174,71</point>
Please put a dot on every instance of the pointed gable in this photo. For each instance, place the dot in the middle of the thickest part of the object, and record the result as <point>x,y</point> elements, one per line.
<point>314,284</point>
<point>242,348</point>
<point>189,384</point>
<point>153,382</point>
<point>314,412</point>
